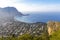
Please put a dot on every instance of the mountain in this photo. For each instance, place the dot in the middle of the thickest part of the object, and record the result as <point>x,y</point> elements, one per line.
<point>8,14</point>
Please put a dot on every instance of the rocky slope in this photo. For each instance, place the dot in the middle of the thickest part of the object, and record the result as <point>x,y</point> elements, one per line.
<point>19,28</point>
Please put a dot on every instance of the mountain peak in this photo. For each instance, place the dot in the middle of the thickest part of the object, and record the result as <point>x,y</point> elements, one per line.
<point>10,9</point>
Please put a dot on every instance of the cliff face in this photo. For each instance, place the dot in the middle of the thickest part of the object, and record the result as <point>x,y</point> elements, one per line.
<point>53,27</point>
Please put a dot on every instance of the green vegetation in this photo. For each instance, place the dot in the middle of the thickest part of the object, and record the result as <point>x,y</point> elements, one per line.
<point>26,37</point>
<point>55,35</point>
<point>43,36</point>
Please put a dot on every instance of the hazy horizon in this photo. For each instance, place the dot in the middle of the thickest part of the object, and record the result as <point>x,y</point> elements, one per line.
<point>32,5</point>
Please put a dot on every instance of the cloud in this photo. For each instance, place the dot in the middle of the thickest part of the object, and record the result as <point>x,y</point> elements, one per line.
<point>39,8</point>
<point>26,7</point>
<point>5,3</point>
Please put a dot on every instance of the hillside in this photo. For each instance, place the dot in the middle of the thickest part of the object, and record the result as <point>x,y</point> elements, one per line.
<point>20,28</point>
<point>38,30</point>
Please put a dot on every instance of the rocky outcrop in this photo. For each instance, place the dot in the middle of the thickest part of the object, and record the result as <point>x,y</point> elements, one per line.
<point>53,26</point>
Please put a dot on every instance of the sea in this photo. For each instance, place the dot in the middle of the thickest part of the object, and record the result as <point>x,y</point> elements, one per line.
<point>39,17</point>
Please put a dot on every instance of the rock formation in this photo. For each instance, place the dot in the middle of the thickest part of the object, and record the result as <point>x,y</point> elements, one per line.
<point>53,26</point>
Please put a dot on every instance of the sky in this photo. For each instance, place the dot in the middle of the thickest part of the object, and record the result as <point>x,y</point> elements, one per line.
<point>32,5</point>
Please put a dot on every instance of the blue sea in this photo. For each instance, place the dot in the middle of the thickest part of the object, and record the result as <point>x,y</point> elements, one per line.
<point>39,17</point>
